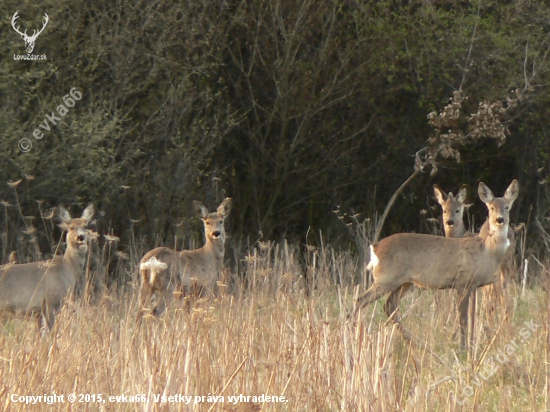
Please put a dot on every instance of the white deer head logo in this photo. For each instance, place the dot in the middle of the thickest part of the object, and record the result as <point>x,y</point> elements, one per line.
<point>29,40</point>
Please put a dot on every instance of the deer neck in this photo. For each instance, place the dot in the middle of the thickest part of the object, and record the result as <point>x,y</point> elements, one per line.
<point>456,231</point>
<point>215,246</point>
<point>496,240</point>
<point>212,248</point>
<point>75,259</point>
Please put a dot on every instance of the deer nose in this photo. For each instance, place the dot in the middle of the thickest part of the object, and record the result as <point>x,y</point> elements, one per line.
<point>500,220</point>
<point>81,238</point>
<point>450,222</point>
<point>217,233</point>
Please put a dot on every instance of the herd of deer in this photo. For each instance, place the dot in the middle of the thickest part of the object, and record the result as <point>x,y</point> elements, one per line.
<point>460,260</point>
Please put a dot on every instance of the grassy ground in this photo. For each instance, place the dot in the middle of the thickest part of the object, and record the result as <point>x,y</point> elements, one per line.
<point>282,336</point>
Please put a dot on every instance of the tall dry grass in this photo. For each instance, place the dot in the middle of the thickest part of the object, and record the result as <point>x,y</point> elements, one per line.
<point>279,329</point>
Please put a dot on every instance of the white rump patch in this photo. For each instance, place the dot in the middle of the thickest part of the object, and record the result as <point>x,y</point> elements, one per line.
<point>154,265</point>
<point>374,261</point>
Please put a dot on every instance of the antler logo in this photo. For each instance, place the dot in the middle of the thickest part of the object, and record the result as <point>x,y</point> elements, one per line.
<point>29,40</point>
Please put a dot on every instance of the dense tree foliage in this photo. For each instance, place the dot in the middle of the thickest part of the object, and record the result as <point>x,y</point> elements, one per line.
<point>293,108</point>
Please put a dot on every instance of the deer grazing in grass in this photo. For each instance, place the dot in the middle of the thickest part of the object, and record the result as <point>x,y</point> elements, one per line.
<point>39,288</point>
<point>403,259</point>
<point>166,271</point>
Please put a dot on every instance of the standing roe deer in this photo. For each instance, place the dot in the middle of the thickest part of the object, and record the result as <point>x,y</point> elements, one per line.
<point>403,259</point>
<point>453,209</point>
<point>499,289</point>
<point>453,225</point>
<point>164,270</point>
<point>39,288</point>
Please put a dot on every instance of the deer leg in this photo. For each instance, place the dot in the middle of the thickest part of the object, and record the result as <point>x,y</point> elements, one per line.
<point>491,294</point>
<point>165,297</point>
<point>494,296</point>
<point>187,294</point>
<point>472,318</point>
<point>145,300</point>
<point>503,296</point>
<point>463,303</point>
<point>48,314</point>
<point>393,300</point>
<point>372,294</point>
<point>145,293</point>
<point>40,320</point>
<point>392,304</point>
<point>196,291</point>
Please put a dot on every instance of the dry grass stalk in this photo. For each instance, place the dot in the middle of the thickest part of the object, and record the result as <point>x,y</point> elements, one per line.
<point>272,339</point>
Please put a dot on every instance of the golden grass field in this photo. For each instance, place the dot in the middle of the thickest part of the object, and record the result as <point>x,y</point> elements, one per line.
<point>282,333</point>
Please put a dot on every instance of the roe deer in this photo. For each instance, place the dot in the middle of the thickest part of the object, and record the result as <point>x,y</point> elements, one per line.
<point>453,209</point>
<point>403,259</point>
<point>39,288</point>
<point>499,289</point>
<point>164,270</point>
<point>453,224</point>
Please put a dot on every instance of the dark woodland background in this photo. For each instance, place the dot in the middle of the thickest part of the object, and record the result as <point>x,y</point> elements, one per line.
<point>292,108</point>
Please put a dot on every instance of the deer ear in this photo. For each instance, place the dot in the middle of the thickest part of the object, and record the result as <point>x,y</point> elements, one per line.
<point>88,213</point>
<point>200,209</point>
<point>462,193</point>
<point>440,196</point>
<point>63,214</point>
<point>225,207</point>
<point>485,194</point>
<point>512,192</point>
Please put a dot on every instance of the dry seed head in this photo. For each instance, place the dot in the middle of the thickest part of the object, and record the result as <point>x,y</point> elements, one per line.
<point>30,230</point>
<point>110,238</point>
<point>14,184</point>
<point>121,255</point>
<point>264,245</point>
<point>249,258</point>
